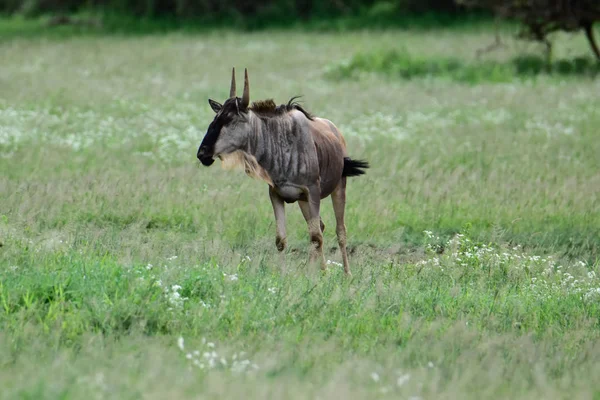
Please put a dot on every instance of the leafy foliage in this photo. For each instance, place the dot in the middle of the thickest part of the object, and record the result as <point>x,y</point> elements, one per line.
<point>542,17</point>
<point>401,64</point>
<point>232,8</point>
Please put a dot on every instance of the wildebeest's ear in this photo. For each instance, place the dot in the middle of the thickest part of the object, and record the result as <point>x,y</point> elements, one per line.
<point>214,105</point>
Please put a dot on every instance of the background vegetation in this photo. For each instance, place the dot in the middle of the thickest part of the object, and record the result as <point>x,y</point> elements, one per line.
<point>231,8</point>
<point>128,271</point>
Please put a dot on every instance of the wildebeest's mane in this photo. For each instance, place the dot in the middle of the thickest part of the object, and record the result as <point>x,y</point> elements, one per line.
<point>268,108</point>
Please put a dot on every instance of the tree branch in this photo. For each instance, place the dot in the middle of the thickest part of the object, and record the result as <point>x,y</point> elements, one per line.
<point>589,33</point>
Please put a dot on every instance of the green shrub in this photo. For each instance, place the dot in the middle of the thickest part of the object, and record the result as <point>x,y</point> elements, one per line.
<point>401,64</point>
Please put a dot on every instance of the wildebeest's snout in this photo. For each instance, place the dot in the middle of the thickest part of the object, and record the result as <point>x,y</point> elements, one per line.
<point>204,156</point>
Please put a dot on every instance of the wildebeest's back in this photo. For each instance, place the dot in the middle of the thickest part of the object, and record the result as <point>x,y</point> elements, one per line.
<point>331,150</point>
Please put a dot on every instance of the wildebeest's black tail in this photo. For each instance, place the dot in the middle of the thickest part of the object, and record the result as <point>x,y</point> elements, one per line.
<point>354,167</point>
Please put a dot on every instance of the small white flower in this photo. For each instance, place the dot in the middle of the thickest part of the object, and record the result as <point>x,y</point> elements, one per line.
<point>591,275</point>
<point>329,262</point>
<point>203,304</point>
<point>272,290</point>
<point>210,345</point>
<point>402,379</point>
<point>180,343</point>
<point>375,376</point>
<point>430,364</point>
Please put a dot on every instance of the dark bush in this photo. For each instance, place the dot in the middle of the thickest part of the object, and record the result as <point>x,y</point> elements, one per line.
<point>226,8</point>
<point>541,17</point>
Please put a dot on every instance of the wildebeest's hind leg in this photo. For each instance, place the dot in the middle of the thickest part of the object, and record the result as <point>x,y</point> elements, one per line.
<point>279,210</point>
<point>310,211</point>
<point>338,198</point>
<point>306,213</point>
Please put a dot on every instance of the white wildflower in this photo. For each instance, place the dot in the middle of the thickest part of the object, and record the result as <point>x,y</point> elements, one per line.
<point>232,277</point>
<point>402,379</point>
<point>591,275</point>
<point>203,304</point>
<point>375,376</point>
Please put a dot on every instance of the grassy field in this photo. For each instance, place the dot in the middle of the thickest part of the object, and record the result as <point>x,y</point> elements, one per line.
<point>129,271</point>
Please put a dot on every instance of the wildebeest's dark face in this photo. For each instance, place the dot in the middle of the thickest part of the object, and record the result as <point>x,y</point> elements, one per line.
<point>229,130</point>
<point>226,133</point>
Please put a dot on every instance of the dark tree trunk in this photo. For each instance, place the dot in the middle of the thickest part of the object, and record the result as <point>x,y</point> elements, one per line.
<point>589,33</point>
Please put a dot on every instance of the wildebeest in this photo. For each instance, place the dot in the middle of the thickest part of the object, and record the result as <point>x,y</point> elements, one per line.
<point>302,158</point>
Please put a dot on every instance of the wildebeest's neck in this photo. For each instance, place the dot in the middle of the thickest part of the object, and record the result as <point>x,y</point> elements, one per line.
<point>283,147</point>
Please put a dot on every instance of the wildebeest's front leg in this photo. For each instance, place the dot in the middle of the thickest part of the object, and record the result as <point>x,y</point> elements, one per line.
<point>279,210</point>
<point>310,210</point>
<point>338,198</point>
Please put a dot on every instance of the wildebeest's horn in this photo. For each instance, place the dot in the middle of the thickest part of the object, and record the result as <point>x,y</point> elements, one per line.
<point>232,90</point>
<point>246,96</point>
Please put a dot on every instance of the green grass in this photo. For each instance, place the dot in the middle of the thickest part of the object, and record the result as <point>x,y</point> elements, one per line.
<point>120,256</point>
<point>400,64</point>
